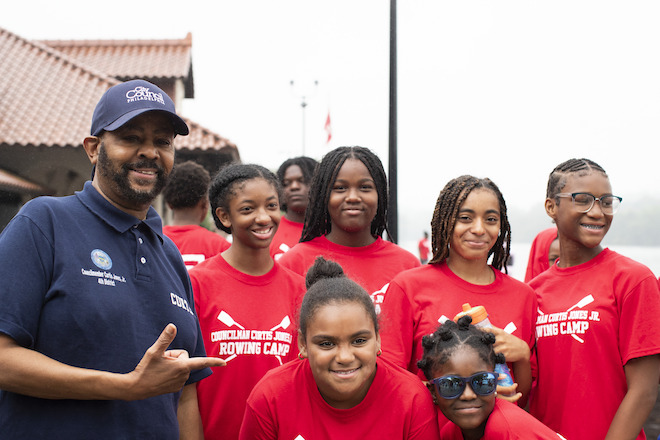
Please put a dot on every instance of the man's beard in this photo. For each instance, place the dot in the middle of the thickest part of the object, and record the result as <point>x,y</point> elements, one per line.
<point>121,182</point>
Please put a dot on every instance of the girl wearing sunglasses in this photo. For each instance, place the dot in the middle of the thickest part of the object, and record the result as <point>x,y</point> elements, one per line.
<point>597,329</point>
<point>458,362</point>
<point>338,388</point>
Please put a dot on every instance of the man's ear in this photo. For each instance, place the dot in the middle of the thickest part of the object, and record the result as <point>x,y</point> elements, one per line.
<point>91,144</point>
<point>223,216</point>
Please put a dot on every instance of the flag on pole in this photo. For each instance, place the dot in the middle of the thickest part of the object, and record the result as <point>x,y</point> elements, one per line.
<point>328,128</point>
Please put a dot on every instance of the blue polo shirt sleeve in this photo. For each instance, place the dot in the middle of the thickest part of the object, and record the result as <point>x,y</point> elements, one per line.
<point>26,252</point>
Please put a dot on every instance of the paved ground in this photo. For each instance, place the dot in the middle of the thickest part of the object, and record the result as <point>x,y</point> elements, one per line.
<point>652,425</point>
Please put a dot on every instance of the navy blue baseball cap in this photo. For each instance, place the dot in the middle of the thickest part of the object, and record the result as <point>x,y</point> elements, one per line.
<point>121,103</point>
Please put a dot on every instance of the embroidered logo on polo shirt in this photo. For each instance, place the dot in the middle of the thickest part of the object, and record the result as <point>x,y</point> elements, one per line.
<point>101,259</point>
<point>143,94</point>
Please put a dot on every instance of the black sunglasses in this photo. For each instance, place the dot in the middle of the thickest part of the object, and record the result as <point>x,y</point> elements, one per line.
<point>450,387</point>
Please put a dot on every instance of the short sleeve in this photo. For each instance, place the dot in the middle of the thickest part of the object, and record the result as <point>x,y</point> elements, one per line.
<point>26,270</point>
<point>258,423</point>
<point>397,326</point>
<point>639,333</point>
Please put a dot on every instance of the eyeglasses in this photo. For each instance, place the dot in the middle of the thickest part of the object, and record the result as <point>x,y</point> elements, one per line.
<point>450,387</point>
<point>583,202</point>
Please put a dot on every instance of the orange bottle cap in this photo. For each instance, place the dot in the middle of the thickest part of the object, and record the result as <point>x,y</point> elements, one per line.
<point>477,313</point>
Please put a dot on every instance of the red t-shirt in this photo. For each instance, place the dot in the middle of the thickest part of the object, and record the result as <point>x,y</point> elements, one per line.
<point>538,254</point>
<point>287,236</point>
<point>250,321</point>
<point>506,422</point>
<point>195,243</point>
<point>592,319</point>
<point>372,266</point>
<point>286,404</point>
<point>418,300</point>
<point>424,249</point>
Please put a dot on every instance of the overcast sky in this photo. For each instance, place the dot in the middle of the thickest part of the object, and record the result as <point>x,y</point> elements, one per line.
<point>499,89</point>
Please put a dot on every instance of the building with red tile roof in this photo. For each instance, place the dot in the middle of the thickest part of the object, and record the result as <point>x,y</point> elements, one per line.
<point>166,63</point>
<point>48,91</point>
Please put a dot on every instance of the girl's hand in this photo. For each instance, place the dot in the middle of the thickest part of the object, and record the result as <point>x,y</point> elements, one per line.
<point>508,393</point>
<point>512,347</point>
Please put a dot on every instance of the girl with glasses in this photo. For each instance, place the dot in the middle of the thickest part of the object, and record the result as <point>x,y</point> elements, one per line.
<point>458,362</point>
<point>597,329</point>
<point>346,219</point>
<point>470,242</point>
<point>339,388</point>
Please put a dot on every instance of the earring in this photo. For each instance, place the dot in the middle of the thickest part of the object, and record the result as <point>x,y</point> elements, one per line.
<point>300,356</point>
<point>379,352</point>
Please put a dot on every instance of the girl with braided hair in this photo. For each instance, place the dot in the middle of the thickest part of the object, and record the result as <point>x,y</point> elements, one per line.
<point>459,362</point>
<point>469,227</point>
<point>246,303</point>
<point>597,329</point>
<point>339,388</point>
<point>345,221</point>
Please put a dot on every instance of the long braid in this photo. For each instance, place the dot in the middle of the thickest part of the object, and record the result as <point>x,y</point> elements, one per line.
<point>317,217</point>
<point>445,214</point>
<point>558,176</point>
<point>444,217</point>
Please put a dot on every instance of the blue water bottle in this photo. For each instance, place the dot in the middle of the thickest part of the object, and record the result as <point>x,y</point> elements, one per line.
<point>480,319</point>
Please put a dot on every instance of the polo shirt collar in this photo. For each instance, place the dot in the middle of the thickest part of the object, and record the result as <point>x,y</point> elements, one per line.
<point>115,217</point>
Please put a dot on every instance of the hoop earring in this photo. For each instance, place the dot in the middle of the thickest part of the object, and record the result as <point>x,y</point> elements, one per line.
<point>379,352</point>
<point>300,356</point>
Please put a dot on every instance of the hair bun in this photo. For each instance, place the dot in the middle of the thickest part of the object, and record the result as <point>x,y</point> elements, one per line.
<point>464,322</point>
<point>499,358</point>
<point>323,269</point>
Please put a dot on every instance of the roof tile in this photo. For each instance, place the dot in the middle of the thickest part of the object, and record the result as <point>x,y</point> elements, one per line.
<point>132,58</point>
<point>12,182</point>
<point>47,97</point>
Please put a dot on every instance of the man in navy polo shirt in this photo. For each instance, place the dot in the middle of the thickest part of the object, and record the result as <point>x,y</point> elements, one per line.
<point>87,284</point>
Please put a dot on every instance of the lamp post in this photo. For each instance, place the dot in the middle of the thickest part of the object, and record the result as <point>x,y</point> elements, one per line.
<point>303,105</point>
<point>393,214</point>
